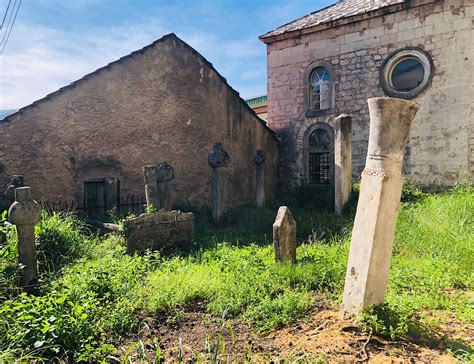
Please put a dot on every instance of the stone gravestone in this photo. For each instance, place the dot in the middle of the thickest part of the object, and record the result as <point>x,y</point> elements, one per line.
<point>157,185</point>
<point>259,182</point>
<point>342,161</point>
<point>381,186</point>
<point>218,160</point>
<point>25,213</point>
<point>159,230</point>
<point>284,236</point>
<point>8,196</point>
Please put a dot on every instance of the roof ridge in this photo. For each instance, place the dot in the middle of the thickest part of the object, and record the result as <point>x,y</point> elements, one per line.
<point>332,15</point>
<point>86,76</point>
<point>130,55</point>
<point>301,17</point>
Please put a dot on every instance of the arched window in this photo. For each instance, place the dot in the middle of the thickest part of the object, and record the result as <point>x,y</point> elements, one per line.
<point>319,93</point>
<point>319,154</point>
<point>319,89</point>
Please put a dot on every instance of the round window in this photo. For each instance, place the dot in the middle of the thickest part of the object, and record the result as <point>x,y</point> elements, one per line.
<point>406,73</point>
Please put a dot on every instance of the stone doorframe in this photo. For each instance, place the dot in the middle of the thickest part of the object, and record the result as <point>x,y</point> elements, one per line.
<point>340,149</point>
<point>308,149</point>
<point>306,127</point>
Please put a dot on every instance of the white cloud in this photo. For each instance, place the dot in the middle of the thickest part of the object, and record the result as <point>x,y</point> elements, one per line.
<point>39,60</point>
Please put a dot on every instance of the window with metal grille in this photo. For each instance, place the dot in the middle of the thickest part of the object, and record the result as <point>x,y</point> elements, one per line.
<point>319,168</point>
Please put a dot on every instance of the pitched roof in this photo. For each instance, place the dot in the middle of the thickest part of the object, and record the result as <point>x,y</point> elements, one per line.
<point>342,9</point>
<point>166,37</point>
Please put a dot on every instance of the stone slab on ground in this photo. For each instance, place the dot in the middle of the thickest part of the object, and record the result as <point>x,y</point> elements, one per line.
<point>159,230</point>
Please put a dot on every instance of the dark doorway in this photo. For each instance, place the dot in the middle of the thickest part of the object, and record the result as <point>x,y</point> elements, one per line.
<point>101,195</point>
<point>319,164</point>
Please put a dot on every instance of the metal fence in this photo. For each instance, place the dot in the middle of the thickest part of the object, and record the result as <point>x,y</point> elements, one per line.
<point>128,204</point>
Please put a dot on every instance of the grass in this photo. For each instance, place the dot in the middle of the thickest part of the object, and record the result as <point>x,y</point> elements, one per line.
<point>93,292</point>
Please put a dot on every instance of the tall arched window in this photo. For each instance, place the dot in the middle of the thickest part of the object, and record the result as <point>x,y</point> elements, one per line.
<point>319,154</point>
<point>319,93</point>
<point>319,89</point>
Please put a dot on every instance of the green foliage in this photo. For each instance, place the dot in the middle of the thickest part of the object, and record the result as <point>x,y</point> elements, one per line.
<point>72,317</point>
<point>56,325</point>
<point>150,209</point>
<point>390,321</point>
<point>9,267</point>
<point>112,278</point>
<point>432,267</point>
<point>92,289</point>
<point>281,310</point>
<point>246,279</point>
<point>61,239</point>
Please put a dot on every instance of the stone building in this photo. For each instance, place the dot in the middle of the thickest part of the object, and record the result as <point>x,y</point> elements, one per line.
<point>259,105</point>
<point>331,61</point>
<point>154,105</point>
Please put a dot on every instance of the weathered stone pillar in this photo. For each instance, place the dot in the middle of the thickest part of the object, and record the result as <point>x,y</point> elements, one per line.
<point>342,161</point>
<point>157,185</point>
<point>151,186</point>
<point>379,201</point>
<point>259,182</point>
<point>284,236</point>
<point>17,181</point>
<point>25,213</point>
<point>218,160</point>
<point>164,175</point>
<point>111,193</point>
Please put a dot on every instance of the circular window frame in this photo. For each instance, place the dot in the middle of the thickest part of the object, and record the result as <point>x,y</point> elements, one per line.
<point>394,59</point>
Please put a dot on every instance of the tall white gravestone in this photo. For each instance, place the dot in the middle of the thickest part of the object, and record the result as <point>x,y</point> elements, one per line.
<point>379,201</point>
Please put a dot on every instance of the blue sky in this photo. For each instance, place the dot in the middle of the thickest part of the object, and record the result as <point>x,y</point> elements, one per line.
<point>55,42</point>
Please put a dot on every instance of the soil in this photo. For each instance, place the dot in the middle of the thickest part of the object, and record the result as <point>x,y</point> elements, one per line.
<point>193,335</point>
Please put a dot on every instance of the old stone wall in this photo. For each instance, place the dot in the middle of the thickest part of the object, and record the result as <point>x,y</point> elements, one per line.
<point>163,103</point>
<point>441,143</point>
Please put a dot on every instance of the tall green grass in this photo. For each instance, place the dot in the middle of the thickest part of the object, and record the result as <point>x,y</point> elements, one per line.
<point>93,291</point>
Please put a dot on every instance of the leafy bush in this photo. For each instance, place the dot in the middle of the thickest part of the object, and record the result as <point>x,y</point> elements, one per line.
<point>9,267</point>
<point>53,326</point>
<point>61,239</point>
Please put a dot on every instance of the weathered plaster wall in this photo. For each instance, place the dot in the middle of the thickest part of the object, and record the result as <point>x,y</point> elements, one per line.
<point>441,143</point>
<point>164,103</point>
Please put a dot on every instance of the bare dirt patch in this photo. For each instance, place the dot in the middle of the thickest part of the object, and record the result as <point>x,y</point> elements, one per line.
<point>193,335</point>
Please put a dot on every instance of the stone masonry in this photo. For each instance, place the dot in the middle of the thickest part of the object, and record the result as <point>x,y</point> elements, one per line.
<point>440,149</point>
<point>164,102</point>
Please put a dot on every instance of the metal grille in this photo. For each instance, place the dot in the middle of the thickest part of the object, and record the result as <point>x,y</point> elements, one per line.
<point>319,169</point>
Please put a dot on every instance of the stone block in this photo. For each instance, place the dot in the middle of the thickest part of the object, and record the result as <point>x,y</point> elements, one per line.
<point>284,236</point>
<point>342,161</point>
<point>159,230</point>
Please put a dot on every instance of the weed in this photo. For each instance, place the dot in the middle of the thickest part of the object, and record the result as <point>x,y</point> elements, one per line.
<point>92,288</point>
<point>61,239</point>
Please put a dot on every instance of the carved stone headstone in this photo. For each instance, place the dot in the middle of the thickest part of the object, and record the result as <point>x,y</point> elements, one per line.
<point>218,159</point>
<point>342,161</point>
<point>379,201</point>
<point>259,161</point>
<point>25,213</point>
<point>284,236</point>
<point>17,181</point>
<point>157,185</point>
